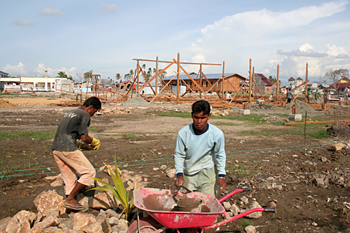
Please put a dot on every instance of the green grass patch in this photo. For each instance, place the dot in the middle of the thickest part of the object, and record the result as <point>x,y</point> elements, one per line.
<point>244,222</point>
<point>225,123</point>
<point>30,134</point>
<point>175,114</point>
<point>260,133</point>
<point>316,131</point>
<point>130,136</point>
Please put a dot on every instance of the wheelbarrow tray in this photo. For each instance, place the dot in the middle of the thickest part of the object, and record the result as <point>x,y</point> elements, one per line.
<point>150,200</point>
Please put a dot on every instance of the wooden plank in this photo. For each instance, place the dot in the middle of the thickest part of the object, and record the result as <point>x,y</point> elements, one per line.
<point>191,78</point>
<point>150,80</point>
<point>313,122</point>
<point>301,90</point>
<point>144,75</point>
<point>188,63</point>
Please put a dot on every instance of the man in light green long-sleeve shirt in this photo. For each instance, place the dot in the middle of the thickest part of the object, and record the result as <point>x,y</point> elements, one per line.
<point>200,153</point>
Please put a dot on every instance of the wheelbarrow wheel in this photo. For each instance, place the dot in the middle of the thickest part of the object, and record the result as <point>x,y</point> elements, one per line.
<point>147,224</point>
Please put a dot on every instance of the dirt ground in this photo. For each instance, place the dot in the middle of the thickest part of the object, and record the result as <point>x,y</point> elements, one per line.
<point>143,141</point>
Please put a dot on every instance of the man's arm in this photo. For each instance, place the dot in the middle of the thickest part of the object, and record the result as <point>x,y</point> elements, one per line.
<point>221,161</point>
<point>179,158</point>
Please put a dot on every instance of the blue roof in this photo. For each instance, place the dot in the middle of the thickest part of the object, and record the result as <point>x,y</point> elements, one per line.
<point>194,76</point>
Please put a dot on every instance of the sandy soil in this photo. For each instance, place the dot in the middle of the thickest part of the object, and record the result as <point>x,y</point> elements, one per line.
<point>142,141</point>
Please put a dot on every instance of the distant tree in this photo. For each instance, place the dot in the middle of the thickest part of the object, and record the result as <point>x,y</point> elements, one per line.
<point>62,74</point>
<point>129,75</point>
<point>87,74</point>
<point>70,77</point>
<point>334,76</point>
<point>273,80</point>
<point>117,76</point>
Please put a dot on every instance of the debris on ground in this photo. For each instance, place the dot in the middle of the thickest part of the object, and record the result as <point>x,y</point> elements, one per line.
<point>6,104</point>
<point>270,119</point>
<point>340,129</point>
<point>135,101</point>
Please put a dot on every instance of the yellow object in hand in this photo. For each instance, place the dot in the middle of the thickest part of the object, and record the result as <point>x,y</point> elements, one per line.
<point>95,143</point>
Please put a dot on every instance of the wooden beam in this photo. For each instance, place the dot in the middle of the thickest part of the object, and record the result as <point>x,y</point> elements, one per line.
<point>144,75</point>
<point>313,122</point>
<point>162,89</point>
<point>306,77</point>
<point>301,90</point>
<point>250,79</point>
<point>278,82</point>
<point>178,78</point>
<point>150,80</point>
<point>191,78</point>
<point>188,63</point>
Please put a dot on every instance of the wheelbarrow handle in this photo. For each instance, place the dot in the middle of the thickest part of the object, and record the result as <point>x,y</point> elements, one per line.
<point>240,216</point>
<point>233,193</point>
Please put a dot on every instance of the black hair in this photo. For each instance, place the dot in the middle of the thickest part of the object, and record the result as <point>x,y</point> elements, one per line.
<point>94,101</point>
<point>201,106</point>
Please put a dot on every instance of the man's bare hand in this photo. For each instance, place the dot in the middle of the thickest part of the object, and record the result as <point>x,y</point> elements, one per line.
<point>222,184</point>
<point>179,181</point>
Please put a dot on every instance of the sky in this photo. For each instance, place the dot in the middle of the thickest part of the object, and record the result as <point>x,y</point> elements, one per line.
<point>105,36</point>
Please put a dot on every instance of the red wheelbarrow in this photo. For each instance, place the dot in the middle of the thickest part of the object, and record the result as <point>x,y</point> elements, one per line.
<point>200,210</point>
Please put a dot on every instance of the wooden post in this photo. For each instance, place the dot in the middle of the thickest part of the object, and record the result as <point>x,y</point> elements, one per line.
<point>250,79</point>
<point>306,77</point>
<point>200,80</point>
<point>138,80</point>
<point>223,80</point>
<point>178,78</point>
<point>278,82</point>
<point>157,75</point>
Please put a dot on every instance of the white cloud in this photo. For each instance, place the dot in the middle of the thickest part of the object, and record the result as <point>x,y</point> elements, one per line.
<point>259,34</point>
<point>15,70</point>
<point>52,12</point>
<point>109,8</point>
<point>264,21</point>
<point>52,72</point>
<point>293,63</point>
<point>20,22</point>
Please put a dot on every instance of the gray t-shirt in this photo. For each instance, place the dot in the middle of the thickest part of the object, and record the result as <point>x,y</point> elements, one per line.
<point>74,124</point>
<point>289,94</point>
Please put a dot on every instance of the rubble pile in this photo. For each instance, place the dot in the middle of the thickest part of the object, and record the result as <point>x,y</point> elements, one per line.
<point>270,119</point>
<point>136,101</point>
<point>263,107</point>
<point>340,129</point>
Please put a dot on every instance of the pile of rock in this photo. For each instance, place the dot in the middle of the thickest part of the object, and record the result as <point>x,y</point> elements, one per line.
<point>245,203</point>
<point>51,217</point>
<point>114,111</point>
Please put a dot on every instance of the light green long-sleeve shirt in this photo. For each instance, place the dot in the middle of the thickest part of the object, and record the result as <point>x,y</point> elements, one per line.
<point>196,152</point>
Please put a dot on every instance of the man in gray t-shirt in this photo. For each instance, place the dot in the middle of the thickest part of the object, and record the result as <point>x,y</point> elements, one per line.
<point>70,160</point>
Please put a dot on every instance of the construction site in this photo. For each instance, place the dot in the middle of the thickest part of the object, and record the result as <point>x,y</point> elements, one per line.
<point>298,166</point>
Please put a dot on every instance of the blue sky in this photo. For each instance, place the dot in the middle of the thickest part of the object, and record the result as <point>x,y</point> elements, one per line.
<point>104,36</point>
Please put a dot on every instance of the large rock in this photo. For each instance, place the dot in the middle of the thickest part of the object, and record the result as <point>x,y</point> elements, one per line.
<point>47,201</point>
<point>171,173</point>
<point>104,200</point>
<point>257,214</point>
<point>22,220</point>
<point>121,227</point>
<point>93,228</point>
<point>250,229</point>
<point>81,220</point>
<point>235,209</point>
<point>53,230</point>
<point>47,222</point>
<point>3,223</point>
